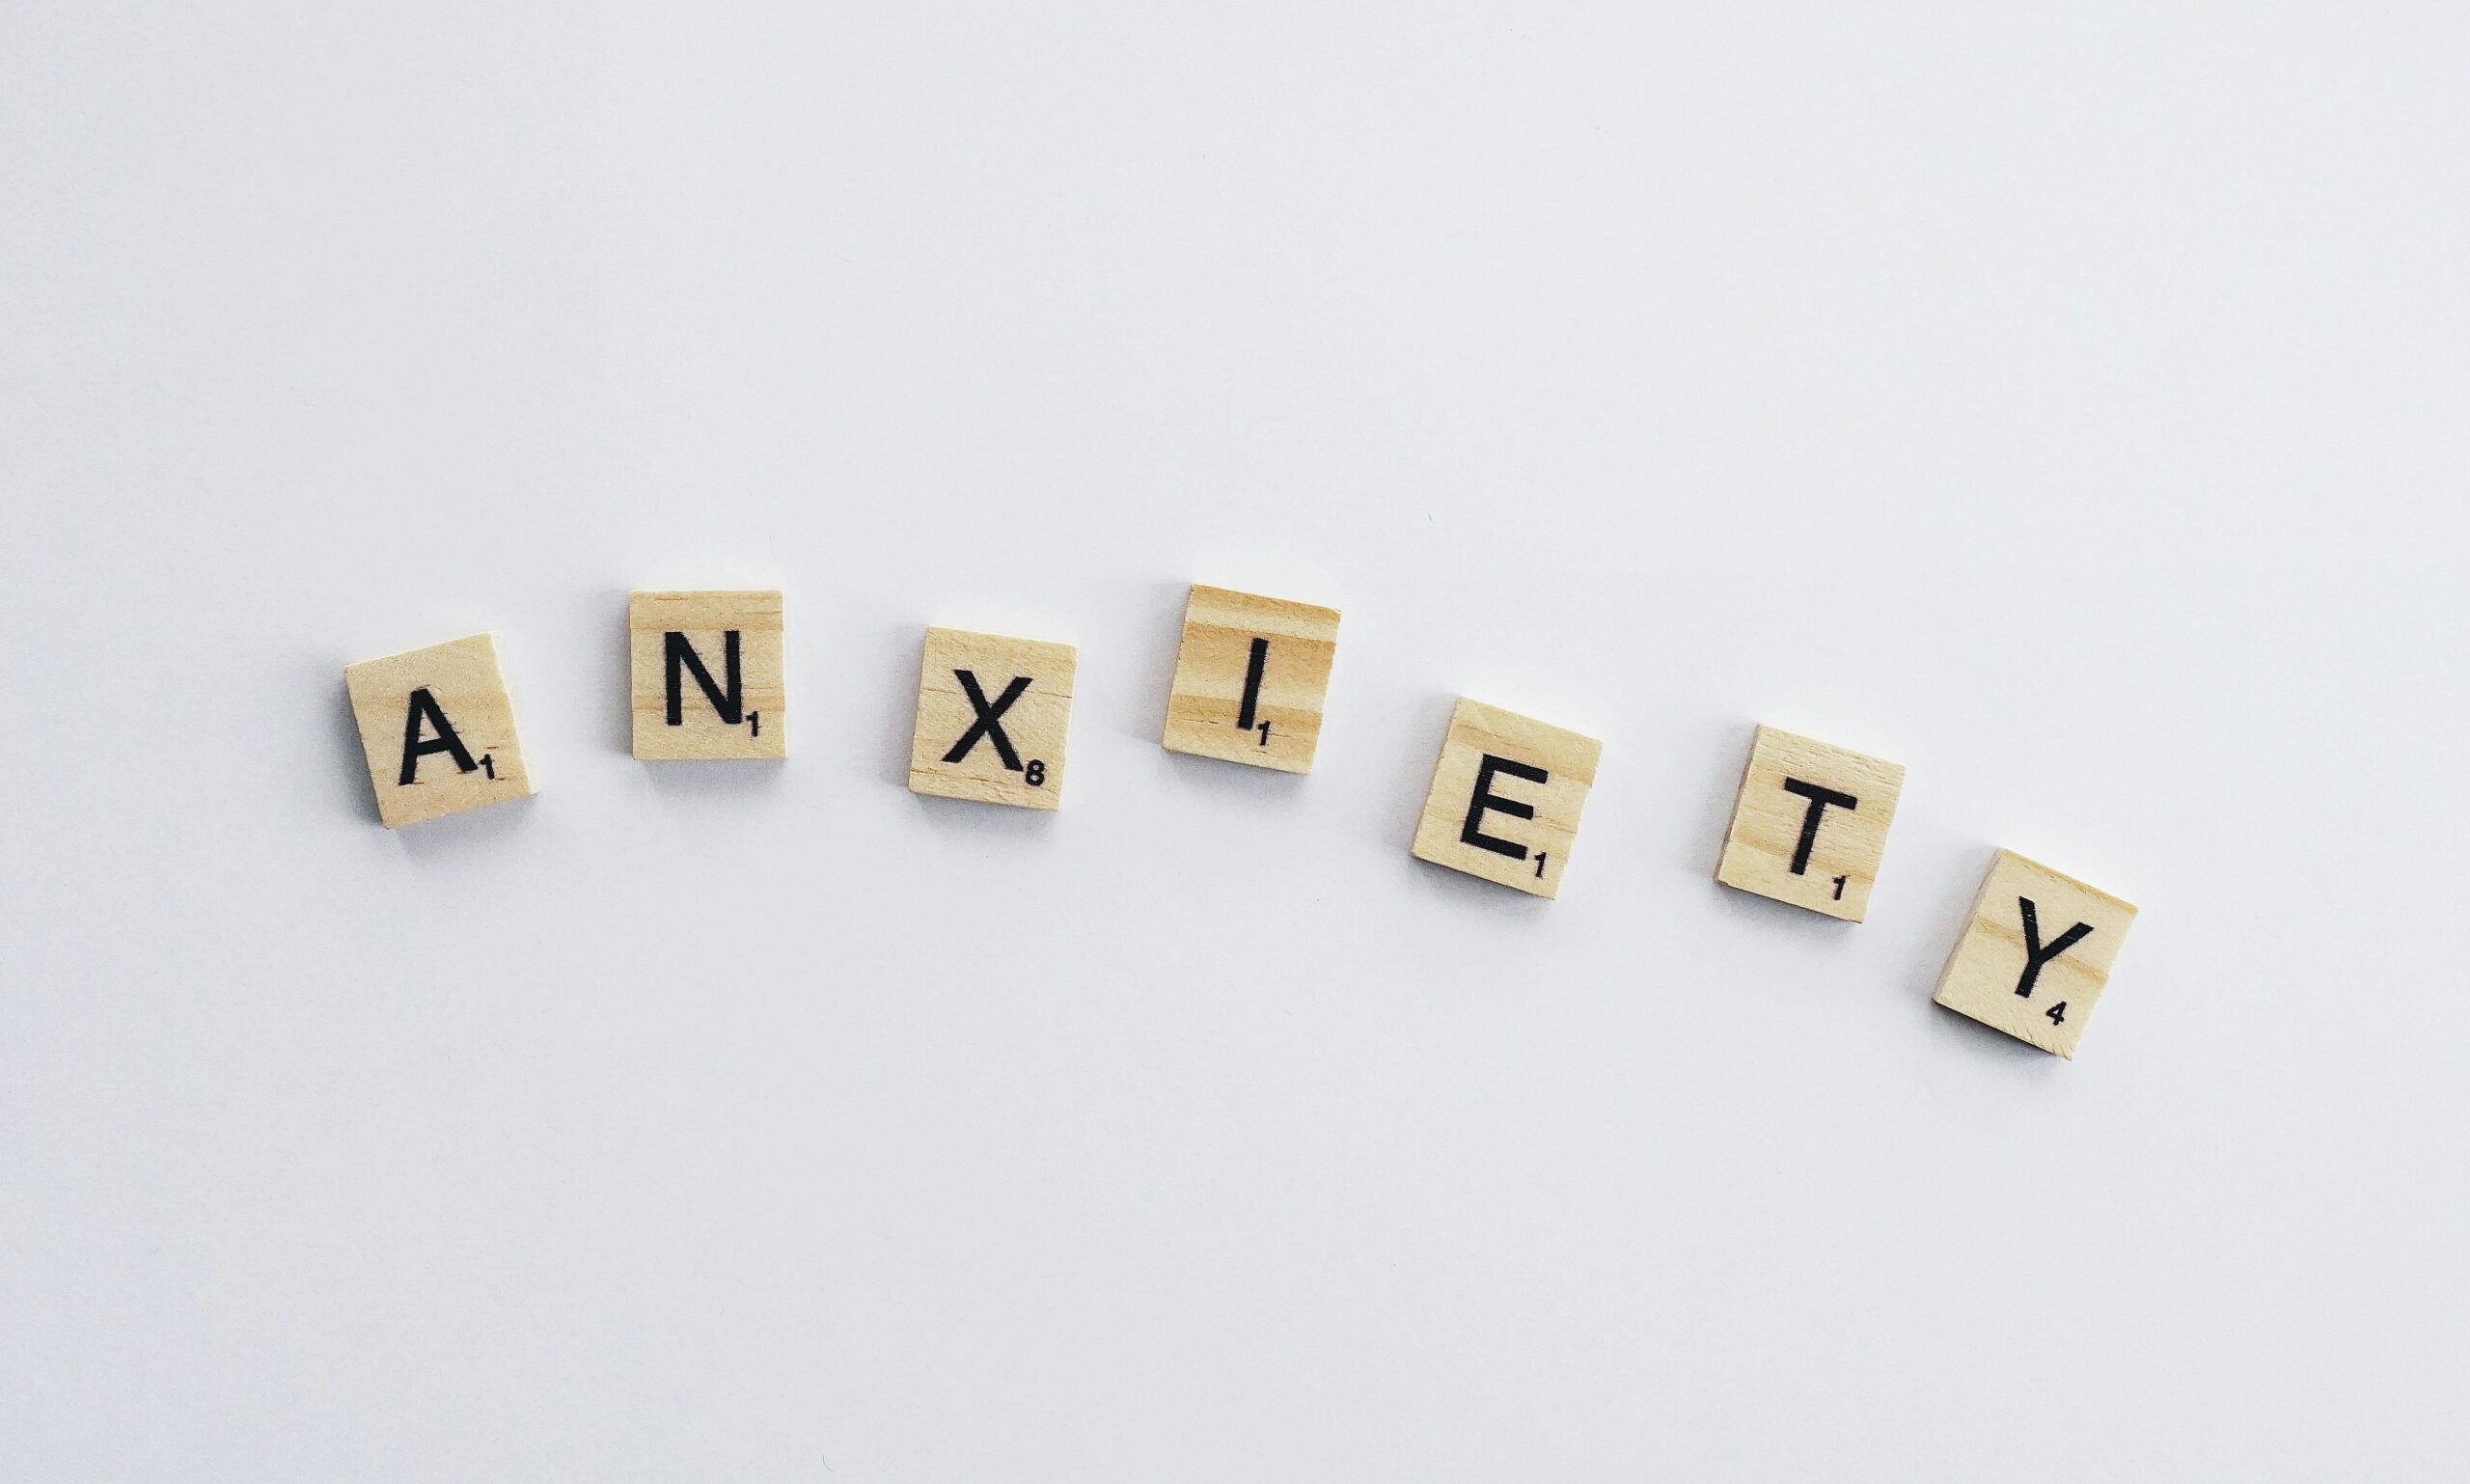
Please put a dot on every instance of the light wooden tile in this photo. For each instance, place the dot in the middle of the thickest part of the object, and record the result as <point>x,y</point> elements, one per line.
<point>1810,824</point>
<point>1505,798</point>
<point>438,729</point>
<point>1250,679</point>
<point>707,676</point>
<point>2035,954</point>
<point>992,714</point>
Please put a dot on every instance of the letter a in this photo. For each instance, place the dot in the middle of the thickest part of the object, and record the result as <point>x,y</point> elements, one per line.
<point>423,707</point>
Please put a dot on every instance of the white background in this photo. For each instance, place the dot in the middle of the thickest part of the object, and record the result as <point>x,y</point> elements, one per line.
<point>2065,400</point>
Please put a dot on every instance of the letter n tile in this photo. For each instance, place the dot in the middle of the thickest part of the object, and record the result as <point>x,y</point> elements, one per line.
<point>706,676</point>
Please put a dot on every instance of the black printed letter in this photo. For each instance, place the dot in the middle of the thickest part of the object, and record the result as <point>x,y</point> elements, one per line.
<point>2035,955</point>
<point>1819,798</point>
<point>1249,717</point>
<point>989,723</point>
<point>1486,801</point>
<point>423,706</point>
<point>730,703</point>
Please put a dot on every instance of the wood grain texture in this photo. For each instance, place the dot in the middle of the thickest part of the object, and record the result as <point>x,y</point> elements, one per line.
<point>1526,853</point>
<point>459,748</point>
<point>1989,978</point>
<point>1789,780</point>
<point>1033,726</point>
<point>1206,706</point>
<point>704,621</point>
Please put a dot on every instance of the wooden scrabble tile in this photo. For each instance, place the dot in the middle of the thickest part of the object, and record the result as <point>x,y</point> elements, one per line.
<point>707,675</point>
<point>992,714</point>
<point>1250,679</point>
<point>1810,824</point>
<point>438,729</point>
<point>1505,798</point>
<point>2035,954</point>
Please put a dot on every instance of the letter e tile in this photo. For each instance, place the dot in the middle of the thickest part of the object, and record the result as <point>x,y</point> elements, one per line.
<point>1505,798</point>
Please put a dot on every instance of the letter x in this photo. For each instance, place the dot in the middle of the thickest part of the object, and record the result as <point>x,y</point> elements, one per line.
<point>989,723</point>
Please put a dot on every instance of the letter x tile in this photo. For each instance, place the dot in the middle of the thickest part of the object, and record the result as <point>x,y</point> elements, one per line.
<point>991,713</point>
<point>1505,798</point>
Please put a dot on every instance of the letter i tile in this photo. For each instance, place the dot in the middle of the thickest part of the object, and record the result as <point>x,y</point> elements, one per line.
<point>1250,679</point>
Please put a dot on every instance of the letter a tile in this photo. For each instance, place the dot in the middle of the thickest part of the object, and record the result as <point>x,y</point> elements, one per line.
<point>1505,798</point>
<point>438,729</point>
<point>1250,679</point>
<point>707,675</point>
<point>1810,824</point>
<point>2035,954</point>
<point>991,713</point>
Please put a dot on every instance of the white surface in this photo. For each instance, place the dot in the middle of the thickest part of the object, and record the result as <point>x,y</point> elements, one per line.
<point>2064,400</point>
